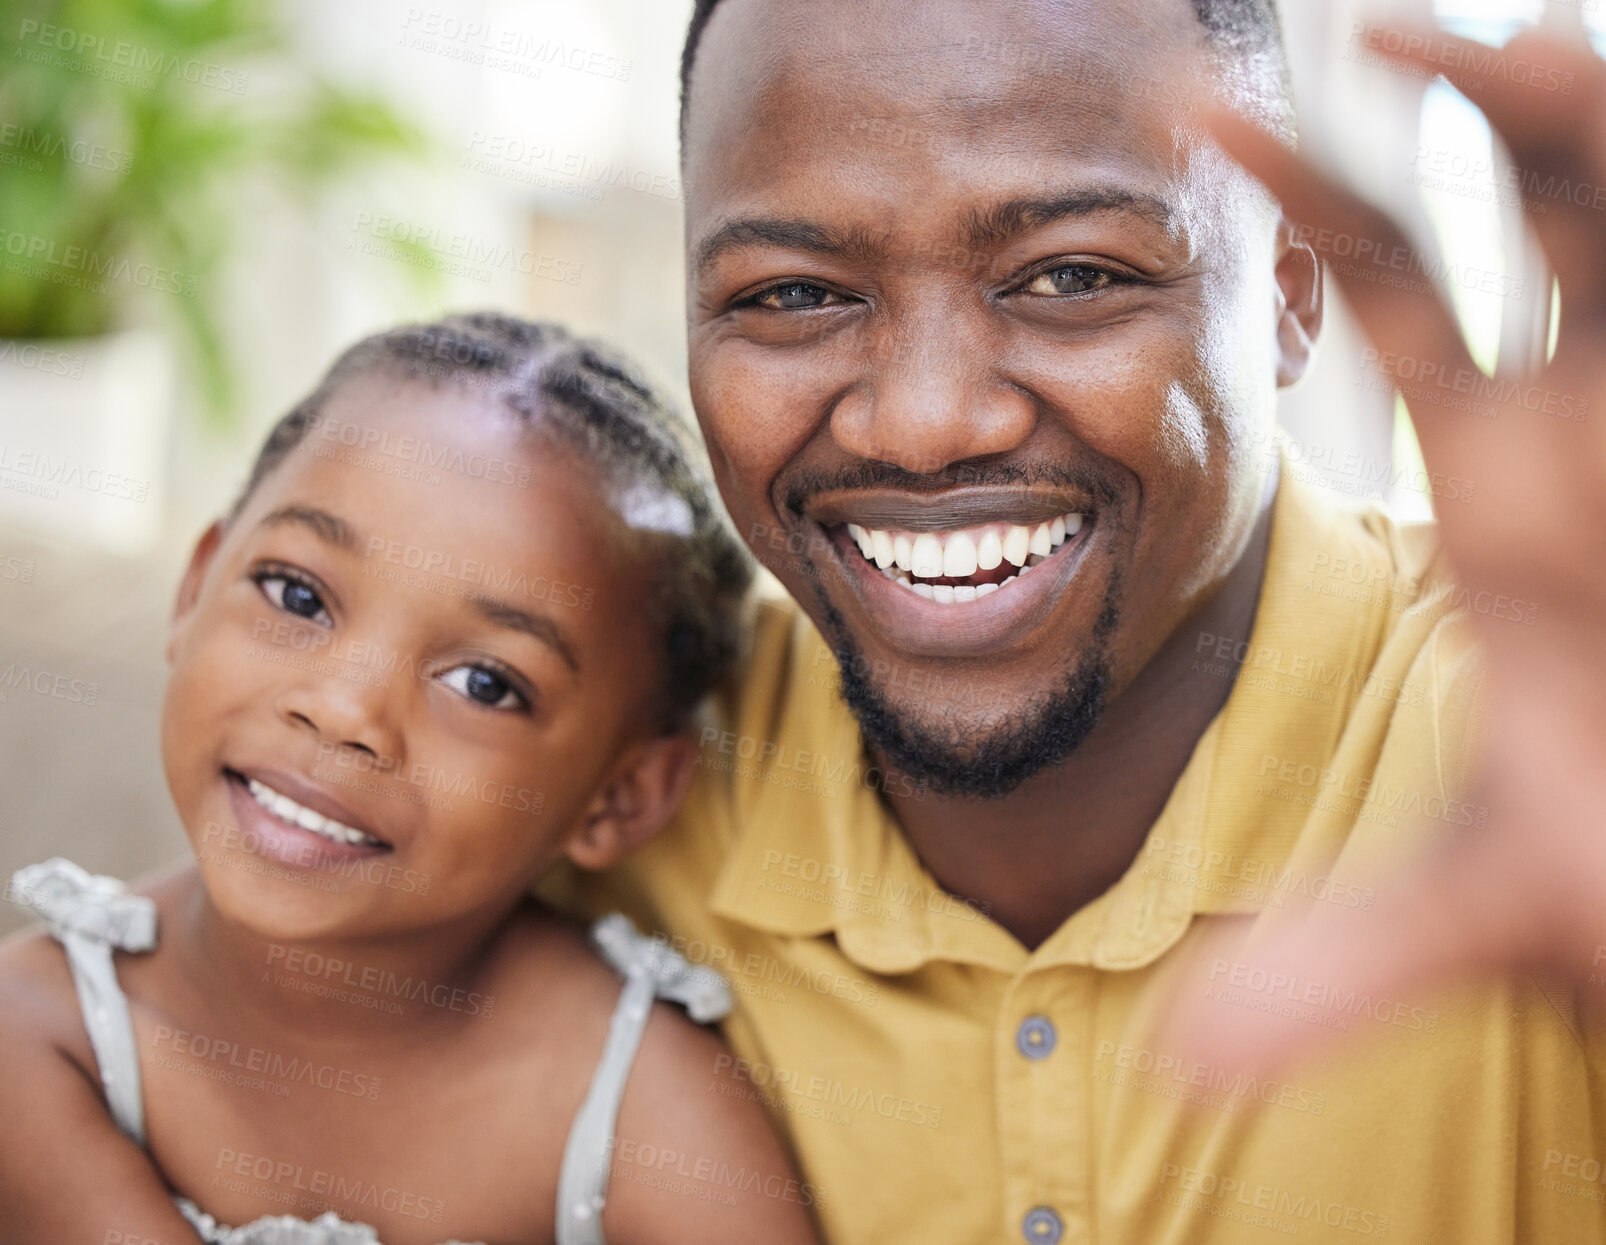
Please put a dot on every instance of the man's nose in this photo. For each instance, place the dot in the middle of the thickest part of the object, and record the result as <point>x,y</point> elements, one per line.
<point>932,392</point>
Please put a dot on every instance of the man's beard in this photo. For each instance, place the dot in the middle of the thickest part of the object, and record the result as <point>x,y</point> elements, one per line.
<point>1030,737</point>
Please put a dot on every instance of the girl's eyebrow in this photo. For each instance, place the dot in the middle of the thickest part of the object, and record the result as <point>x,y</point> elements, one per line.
<point>542,627</point>
<point>328,527</point>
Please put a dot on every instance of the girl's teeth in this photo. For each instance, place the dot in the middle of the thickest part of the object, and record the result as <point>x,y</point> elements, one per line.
<point>288,811</point>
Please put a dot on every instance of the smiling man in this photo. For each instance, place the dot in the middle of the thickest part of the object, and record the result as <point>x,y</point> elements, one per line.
<point>985,341</point>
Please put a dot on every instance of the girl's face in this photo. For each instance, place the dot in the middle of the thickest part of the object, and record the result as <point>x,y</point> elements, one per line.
<point>411,674</point>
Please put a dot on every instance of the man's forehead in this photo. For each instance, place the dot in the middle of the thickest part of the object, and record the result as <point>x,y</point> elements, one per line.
<point>999,90</point>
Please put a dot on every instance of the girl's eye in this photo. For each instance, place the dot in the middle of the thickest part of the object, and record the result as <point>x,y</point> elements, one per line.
<point>1068,279</point>
<point>793,296</point>
<point>294,596</point>
<point>483,687</point>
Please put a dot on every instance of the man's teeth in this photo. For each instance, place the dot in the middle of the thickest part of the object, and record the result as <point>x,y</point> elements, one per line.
<point>287,810</point>
<point>908,557</point>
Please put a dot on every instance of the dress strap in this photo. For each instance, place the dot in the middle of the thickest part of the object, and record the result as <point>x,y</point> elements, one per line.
<point>90,915</point>
<point>651,969</point>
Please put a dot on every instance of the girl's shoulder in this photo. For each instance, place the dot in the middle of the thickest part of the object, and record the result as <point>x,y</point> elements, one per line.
<point>39,1009</point>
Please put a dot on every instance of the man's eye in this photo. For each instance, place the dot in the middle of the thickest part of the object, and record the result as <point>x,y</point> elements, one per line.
<point>793,296</point>
<point>293,596</point>
<point>1069,279</point>
<point>483,687</point>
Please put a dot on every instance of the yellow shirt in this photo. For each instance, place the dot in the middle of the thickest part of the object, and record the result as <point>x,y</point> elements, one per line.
<point>940,1083</point>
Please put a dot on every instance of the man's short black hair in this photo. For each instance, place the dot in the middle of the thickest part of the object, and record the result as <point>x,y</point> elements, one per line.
<point>1247,30</point>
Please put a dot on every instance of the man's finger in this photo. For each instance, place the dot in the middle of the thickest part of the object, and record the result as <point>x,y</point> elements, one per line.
<point>1453,916</point>
<point>1389,287</point>
<point>1546,99</point>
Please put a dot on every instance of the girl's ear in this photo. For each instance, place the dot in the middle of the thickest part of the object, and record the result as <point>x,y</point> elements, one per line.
<point>189,588</point>
<point>640,795</point>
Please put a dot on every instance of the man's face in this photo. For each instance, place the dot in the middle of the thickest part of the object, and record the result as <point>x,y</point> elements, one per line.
<point>961,282</point>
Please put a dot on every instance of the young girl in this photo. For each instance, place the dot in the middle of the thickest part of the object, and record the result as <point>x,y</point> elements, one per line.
<point>449,634</point>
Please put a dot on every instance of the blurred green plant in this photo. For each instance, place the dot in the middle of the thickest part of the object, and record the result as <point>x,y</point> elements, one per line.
<point>126,128</point>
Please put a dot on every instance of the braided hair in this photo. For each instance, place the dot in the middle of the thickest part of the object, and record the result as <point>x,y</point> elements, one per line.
<point>590,399</point>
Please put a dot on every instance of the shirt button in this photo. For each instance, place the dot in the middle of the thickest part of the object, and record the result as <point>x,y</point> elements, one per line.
<point>1042,1226</point>
<point>1035,1038</point>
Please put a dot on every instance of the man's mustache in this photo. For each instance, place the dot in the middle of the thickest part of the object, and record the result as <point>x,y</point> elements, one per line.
<point>1087,478</point>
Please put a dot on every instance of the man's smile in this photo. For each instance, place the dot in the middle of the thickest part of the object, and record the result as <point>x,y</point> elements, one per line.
<point>961,566</point>
<point>956,574</point>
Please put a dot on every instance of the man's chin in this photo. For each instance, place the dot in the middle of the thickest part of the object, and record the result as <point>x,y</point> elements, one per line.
<point>970,740</point>
<point>978,756</point>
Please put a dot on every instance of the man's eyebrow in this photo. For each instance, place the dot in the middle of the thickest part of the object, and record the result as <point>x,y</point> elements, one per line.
<point>541,626</point>
<point>1004,221</point>
<point>330,528</point>
<point>795,234</point>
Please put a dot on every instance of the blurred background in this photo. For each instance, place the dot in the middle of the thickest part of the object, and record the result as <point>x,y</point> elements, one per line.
<point>203,201</point>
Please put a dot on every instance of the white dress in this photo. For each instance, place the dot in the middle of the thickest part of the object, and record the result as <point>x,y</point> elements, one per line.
<point>91,915</point>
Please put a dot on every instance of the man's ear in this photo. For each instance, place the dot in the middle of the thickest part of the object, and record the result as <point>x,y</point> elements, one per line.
<point>640,795</point>
<point>1299,304</point>
<point>189,588</point>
